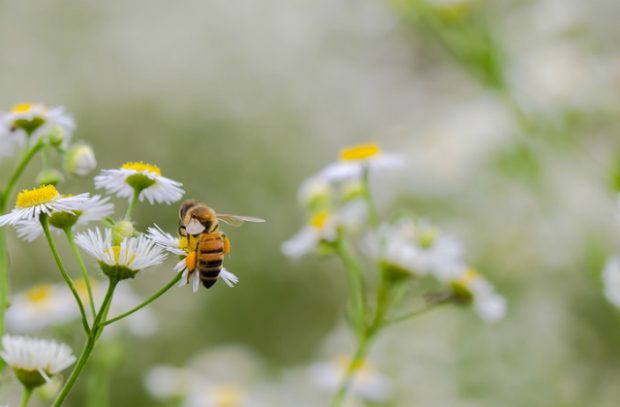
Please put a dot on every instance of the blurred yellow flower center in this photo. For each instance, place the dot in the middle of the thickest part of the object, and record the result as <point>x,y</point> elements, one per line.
<point>37,196</point>
<point>228,396</point>
<point>39,293</point>
<point>21,108</point>
<point>359,152</point>
<point>319,220</point>
<point>359,365</point>
<point>141,167</point>
<point>469,276</point>
<point>82,289</point>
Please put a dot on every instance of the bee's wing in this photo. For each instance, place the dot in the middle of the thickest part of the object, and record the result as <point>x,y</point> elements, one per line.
<point>237,220</point>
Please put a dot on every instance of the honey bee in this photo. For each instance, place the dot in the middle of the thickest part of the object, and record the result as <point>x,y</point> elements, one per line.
<point>205,243</point>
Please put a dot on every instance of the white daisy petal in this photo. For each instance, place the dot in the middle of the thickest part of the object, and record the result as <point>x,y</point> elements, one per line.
<point>229,278</point>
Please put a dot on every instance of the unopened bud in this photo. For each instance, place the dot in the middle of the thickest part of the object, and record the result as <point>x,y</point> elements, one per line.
<point>80,160</point>
<point>121,231</point>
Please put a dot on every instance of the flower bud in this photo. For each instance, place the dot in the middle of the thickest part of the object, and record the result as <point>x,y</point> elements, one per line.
<point>80,160</point>
<point>121,231</point>
<point>49,177</point>
<point>56,136</point>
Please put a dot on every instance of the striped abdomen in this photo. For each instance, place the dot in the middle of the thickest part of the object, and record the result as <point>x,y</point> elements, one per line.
<point>211,250</point>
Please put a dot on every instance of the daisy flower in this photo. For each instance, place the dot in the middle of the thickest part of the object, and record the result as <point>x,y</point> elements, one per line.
<point>142,177</point>
<point>35,361</point>
<point>322,227</point>
<point>366,383</point>
<point>419,248</point>
<point>45,199</point>
<point>40,307</point>
<point>36,120</point>
<point>355,160</point>
<point>178,247</point>
<point>611,280</point>
<point>471,287</point>
<point>124,260</point>
<point>94,209</point>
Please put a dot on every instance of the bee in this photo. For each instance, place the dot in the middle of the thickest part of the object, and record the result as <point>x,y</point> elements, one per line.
<point>205,243</point>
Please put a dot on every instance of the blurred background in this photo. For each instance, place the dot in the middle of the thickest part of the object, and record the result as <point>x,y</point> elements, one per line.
<point>507,112</point>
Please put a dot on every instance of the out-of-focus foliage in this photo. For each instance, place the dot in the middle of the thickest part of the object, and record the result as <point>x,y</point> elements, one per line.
<point>506,110</point>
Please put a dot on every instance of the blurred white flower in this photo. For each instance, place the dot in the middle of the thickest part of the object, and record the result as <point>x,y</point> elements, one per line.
<point>39,307</point>
<point>322,227</point>
<point>611,280</point>
<point>470,286</point>
<point>45,199</point>
<point>37,121</point>
<point>418,248</point>
<point>34,361</point>
<point>95,209</point>
<point>144,177</point>
<point>140,324</point>
<point>366,383</point>
<point>357,159</point>
<point>80,160</point>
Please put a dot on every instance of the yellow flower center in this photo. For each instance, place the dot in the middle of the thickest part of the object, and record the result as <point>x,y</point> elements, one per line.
<point>39,294</point>
<point>319,220</point>
<point>467,277</point>
<point>359,365</point>
<point>21,108</point>
<point>37,196</point>
<point>141,167</point>
<point>228,396</point>
<point>82,289</point>
<point>359,152</point>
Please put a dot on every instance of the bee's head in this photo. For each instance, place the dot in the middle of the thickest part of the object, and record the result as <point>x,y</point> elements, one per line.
<point>186,206</point>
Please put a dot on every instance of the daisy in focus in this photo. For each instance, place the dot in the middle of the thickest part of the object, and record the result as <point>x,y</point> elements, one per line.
<point>46,199</point>
<point>35,361</point>
<point>142,179</point>
<point>40,307</point>
<point>187,263</point>
<point>123,260</point>
<point>95,208</point>
<point>32,120</point>
<point>366,382</point>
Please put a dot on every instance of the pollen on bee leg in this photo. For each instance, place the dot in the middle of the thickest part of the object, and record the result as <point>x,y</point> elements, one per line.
<point>190,261</point>
<point>226,245</point>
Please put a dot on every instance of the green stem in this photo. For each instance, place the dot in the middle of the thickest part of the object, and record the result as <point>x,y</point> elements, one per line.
<point>26,396</point>
<point>373,213</point>
<point>19,171</point>
<point>132,203</point>
<point>76,252</point>
<point>63,271</point>
<point>356,283</point>
<point>155,296</point>
<point>413,314</point>
<point>88,348</point>
<point>360,354</point>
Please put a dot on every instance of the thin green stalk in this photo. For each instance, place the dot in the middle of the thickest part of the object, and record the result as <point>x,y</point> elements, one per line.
<point>63,271</point>
<point>26,396</point>
<point>373,213</point>
<point>413,314</point>
<point>19,171</point>
<point>132,203</point>
<point>76,252</point>
<point>88,348</point>
<point>356,283</point>
<point>360,354</point>
<point>155,296</point>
